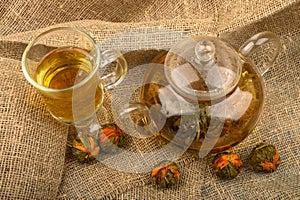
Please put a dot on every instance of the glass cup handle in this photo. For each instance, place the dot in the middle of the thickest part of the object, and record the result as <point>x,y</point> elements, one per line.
<point>113,68</point>
<point>266,40</point>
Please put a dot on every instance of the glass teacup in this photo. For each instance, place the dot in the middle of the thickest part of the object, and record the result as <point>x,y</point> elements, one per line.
<point>67,68</point>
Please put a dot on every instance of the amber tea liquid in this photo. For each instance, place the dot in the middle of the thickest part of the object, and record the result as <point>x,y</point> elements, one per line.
<point>62,69</point>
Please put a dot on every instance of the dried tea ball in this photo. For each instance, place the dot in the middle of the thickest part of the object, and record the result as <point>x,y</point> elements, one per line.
<point>111,137</point>
<point>227,165</point>
<point>166,174</point>
<point>85,148</point>
<point>265,158</point>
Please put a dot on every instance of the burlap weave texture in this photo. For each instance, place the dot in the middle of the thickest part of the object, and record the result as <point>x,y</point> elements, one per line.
<point>35,162</point>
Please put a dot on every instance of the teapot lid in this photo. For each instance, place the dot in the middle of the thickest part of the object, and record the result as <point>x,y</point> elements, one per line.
<point>203,67</point>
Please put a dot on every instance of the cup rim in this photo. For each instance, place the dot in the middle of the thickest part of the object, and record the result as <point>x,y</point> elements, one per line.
<point>84,81</point>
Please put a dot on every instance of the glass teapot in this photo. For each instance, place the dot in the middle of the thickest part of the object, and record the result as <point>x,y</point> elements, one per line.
<point>206,94</point>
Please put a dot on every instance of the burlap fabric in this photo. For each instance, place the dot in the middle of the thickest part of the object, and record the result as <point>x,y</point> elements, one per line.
<point>35,162</point>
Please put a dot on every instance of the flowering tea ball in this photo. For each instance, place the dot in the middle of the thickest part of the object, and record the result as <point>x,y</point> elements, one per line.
<point>166,174</point>
<point>85,148</point>
<point>265,158</point>
<point>111,137</point>
<point>227,165</point>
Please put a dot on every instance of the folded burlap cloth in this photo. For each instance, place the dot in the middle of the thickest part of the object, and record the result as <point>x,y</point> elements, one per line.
<point>35,161</point>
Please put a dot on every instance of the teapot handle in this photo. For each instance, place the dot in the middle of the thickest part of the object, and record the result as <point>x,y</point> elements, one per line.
<point>268,39</point>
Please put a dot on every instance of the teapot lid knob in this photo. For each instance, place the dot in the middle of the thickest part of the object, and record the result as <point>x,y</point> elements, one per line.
<point>205,51</point>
